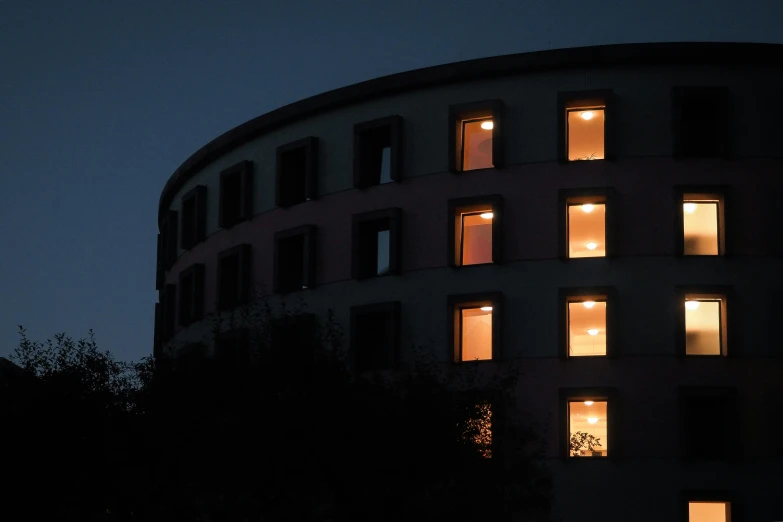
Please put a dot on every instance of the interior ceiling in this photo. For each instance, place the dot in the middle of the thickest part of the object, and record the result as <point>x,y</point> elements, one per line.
<point>585,137</point>
<point>585,227</point>
<point>703,221</point>
<point>582,319</point>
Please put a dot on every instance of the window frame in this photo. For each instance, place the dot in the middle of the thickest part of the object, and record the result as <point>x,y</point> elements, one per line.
<point>459,205</point>
<point>723,135</point>
<point>197,222</point>
<point>196,313</point>
<point>243,169</point>
<point>308,233</point>
<point>360,130</point>
<point>498,407</point>
<point>578,196</point>
<point>719,192</point>
<point>728,335</point>
<point>576,394</point>
<point>580,294</point>
<point>310,147</point>
<point>455,304</point>
<point>394,216</point>
<point>726,496</point>
<point>730,395</point>
<point>244,292</point>
<point>567,100</point>
<point>462,112</point>
<point>394,311</point>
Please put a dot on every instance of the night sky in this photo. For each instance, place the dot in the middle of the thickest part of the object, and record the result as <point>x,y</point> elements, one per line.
<point>101,101</point>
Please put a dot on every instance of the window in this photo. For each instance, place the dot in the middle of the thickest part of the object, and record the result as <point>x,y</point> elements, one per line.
<point>191,294</point>
<point>295,259</point>
<point>234,278</point>
<point>236,194</point>
<point>584,118</point>
<point>194,217</point>
<point>474,326</point>
<point>704,319</point>
<point>585,321</point>
<point>701,119</point>
<point>233,350</point>
<point>190,357</point>
<point>377,152</point>
<point>475,234</point>
<point>169,306</point>
<point>376,243</point>
<point>474,426</point>
<point>588,415</point>
<point>709,423</point>
<point>294,339</point>
<point>375,336</point>
<point>297,172</point>
<point>700,220</point>
<point>475,136</point>
<point>585,222</point>
<point>709,511</point>
<point>168,233</point>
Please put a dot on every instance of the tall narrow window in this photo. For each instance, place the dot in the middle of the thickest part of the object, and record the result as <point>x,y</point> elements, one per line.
<point>474,426</point>
<point>701,119</point>
<point>376,243</point>
<point>191,294</point>
<point>709,423</point>
<point>709,511</point>
<point>475,321</point>
<point>375,336</point>
<point>588,427</point>
<point>475,230</point>
<point>377,152</point>
<point>587,327</point>
<point>297,172</point>
<point>194,217</point>
<point>475,137</point>
<point>584,116</point>
<point>236,194</point>
<point>234,278</point>
<point>586,222</point>
<point>704,325</point>
<point>168,235</point>
<point>295,259</point>
<point>701,221</point>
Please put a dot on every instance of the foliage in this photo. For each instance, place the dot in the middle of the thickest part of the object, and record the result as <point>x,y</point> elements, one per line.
<point>581,440</point>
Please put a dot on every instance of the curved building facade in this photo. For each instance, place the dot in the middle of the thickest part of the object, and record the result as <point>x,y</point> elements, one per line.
<point>607,217</point>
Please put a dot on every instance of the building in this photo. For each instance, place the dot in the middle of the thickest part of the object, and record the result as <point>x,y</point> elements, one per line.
<point>608,216</point>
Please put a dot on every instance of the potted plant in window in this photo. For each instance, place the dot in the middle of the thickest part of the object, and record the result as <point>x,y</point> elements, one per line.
<point>585,441</point>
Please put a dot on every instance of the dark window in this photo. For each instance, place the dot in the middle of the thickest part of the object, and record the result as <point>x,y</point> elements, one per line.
<point>475,230</point>
<point>708,423</point>
<point>233,350</point>
<point>168,232</point>
<point>294,340</point>
<point>194,217</point>
<point>191,294</point>
<point>476,136</point>
<point>585,125</point>
<point>159,271</point>
<point>190,357</point>
<point>375,336</point>
<point>701,119</point>
<point>377,152</point>
<point>234,278</point>
<point>169,305</point>
<point>236,194</point>
<point>586,222</point>
<point>376,243</point>
<point>294,259</point>
<point>700,220</point>
<point>474,326</point>
<point>297,172</point>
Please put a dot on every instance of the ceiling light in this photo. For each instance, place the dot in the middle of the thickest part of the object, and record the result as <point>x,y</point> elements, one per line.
<point>690,208</point>
<point>588,403</point>
<point>587,207</point>
<point>486,308</point>
<point>587,115</point>
<point>691,305</point>
<point>488,215</point>
<point>593,331</point>
<point>592,420</point>
<point>591,246</point>
<point>589,304</point>
<point>487,125</point>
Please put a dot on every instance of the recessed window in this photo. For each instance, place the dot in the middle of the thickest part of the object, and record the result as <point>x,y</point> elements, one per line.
<point>233,350</point>
<point>702,227</point>
<point>709,511</point>
<point>588,427</point>
<point>377,152</point>
<point>474,427</point>
<point>169,306</point>
<point>587,326</point>
<point>705,330</point>
<point>474,230</point>
<point>295,259</point>
<point>234,277</point>
<point>375,336</point>
<point>236,194</point>
<point>297,165</point>
<point>709,423</point>
<point>168,232</point>
<point>376,241</point>
<point>701,119</point>
<point>586,228</point>
<point>475,135</point>
<point>194,217</point>
<point>584,117</point>
<point>191,294</point>
<point>475,321</point>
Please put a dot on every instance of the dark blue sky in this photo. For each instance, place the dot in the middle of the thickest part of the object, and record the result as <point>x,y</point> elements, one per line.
<point>101,101</point>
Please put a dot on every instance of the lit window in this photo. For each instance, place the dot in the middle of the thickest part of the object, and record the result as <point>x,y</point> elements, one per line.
<point>475,223</point>
<point>702,511</point>
<point>588,427</point>
<point>587,327</point>
<point>702,224</point>
<point>585,133</point>
<point>474,322</point>
<point>477,144</point>
<point>586,229</point>
<point>474,135</point>
<point>704,325</point>
<point>475,427</point>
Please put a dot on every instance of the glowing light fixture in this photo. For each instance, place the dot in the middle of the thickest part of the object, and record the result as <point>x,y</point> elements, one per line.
<point>589,304</point>
<point>591,245</point>
<point>691,305</point>
<point>587,207</point>
<point>588,403</point>
<point>487,125</point>
<point>690,208</point>
<point>587,115</point>
<point>592,420</point>
<point>593,331</point>
<point>486,308</point>
<point>488,215</point>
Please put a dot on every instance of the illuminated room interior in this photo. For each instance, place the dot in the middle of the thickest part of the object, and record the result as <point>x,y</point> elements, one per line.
<point>700,227</point>
<point>476,333</point>
<point>588,416</point>
<point>586,328</point>
<point>709,512</point>
<point>702,326</point>
<point>585,133</point>
<point>475,229</point>
<point>477,144</point>
<point>587,230</point>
